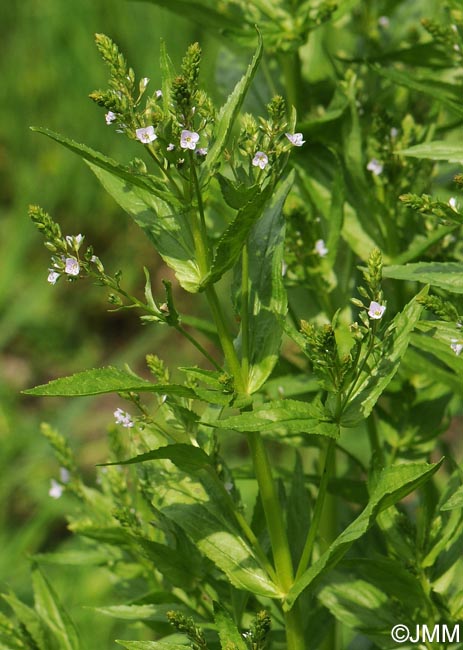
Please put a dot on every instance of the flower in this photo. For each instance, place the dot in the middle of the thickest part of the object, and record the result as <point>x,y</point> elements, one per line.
<point>456,347</point>
<point>145,81</point>
<point>188,139</point>
<point>376,310</point>
<point>110,117</point>
<point>394,132</point>
<point>295,139</point>
<point>124,418</point>
<point>52,276</point>
<point>56,490</point>
<point>320,248</point>
<point>202,151</point>
<point>170,146</point>
<point>64,475</point>
<point>260,160</point>
<point>158,93</point>
<point>384,22</point>
<point>453,203</point>
<point>74,242</point>
<point>375,167</point>
<point>146,134</point>
<point>71,266</point>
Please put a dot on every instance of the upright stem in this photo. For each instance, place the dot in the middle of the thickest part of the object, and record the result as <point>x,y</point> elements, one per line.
<point>291,66</point>
<point>245,314</point>
<point>198,346</point>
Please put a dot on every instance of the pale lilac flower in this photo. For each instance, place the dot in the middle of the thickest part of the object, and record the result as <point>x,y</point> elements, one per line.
<point>456,347</point>
<point>384,22</point>
<point>320,248</point>
<point>124,418</point>
<point>189,139</point>
<point>202,151</point>
<point>170,146</point>
<point>296,139</point>
<point>146,134</point>
<point>110,117</point>
<point>394,132</point>
<point>375,167</point>
<point>56,490</point>
<point>71,266</point>
<point>260,160</point>
<point>64,475</point>
<point>376,310</point>
<point>158,94</point>
<point>453,203</point>
<point>52,276</point>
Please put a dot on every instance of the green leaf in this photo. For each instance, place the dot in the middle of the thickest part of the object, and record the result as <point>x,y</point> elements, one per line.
<point>228,114</point>
<point>393,484</point>
<point>287,416</point>
<point>455,501</point>
<point>98,381</point>
<point>52,613</point>
<point>376,380</point>
<point>229,635</point>
<point>236,194</point>
<point>267,303</point>
<point>186,457</point>
<point>32,622</point>
<point>231,242</point>
<point>149,612</point>
<point>152,645</point>
<point>438,150</point>
<point>446,275</point>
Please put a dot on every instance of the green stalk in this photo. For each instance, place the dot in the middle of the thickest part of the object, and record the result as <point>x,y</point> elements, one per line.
<point>198,346</point>
<point>202,218</point>
<point>245,315</point>
<point>291,66</point>
<point>327,458</point>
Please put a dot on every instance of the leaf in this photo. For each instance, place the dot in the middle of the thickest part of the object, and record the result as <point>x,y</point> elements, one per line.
<point>267,303</point>
<point>149,612</point>
<point>186,457</point>
<point>152,645</point>
<point>32,622</point>
<point>229,112</point>
<point>236,195</point>
<point>229,635</point>
<point>393,484</point>
<point>231,242</point>
<point>98,381</point>
<point>437,150</point>
<point>455,501</point>
<point>291,416</point>
<point>377,379</point>
<point>52,613</point>
<point>446,275</point>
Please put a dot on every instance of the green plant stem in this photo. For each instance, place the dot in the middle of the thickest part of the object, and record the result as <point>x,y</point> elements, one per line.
<point>245,315</point>
<point>225,339</point>
<point>201,248</point>
<point>291,66</point>
<point>278,536</point>
<point>327,457</point>
<point>198,346</point>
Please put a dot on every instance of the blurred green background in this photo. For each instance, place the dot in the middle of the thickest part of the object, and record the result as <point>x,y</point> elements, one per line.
<point>49,65</point>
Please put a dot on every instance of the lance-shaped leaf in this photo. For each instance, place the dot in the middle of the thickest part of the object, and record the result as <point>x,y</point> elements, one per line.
<point>231,242</point>
<point>437,150</point>
<point>229,635</point>
<point>446,275</point>
<point>286,416</point>
<point>393,484</point>
<point>376,380</point>
<point>228,114</point>
<point>197,501</point>
<point>158,213</point>
<point>267,303</point>
<point>152,645</point>
<point>105,380</point>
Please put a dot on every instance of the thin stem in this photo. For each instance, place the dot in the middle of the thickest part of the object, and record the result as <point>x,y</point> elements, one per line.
<point>326,467</point>
<point>163,171</point>
<point>202,218</point>
<point>245,314</point>
<point>198,346</point>
<point>291,66</point>
<point>225,338</point>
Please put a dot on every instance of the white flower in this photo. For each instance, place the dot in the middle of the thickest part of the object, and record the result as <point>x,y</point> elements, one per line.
<point>394,132</point>
<point>158,93</point>
<point>56,490</point>
<point>146,134</point>
<point>296,139</point>
<point>320,248</point>
<point>170,146</point>
<point>145,81</point>
<point>124,418</point>
<point>228,486</point>
<point>64,475</point>
<point>453,203</point>
<point>71,266</point>
<point>52,276</point>
<point>376,310</point>
<point>202,151</point>
<point>74,242</point>
<point>456,347</point>
<point>110,117</point>
<point>383,21</point>
<point>375,167</point>
<point>260,160</point>
<point>189,139</point>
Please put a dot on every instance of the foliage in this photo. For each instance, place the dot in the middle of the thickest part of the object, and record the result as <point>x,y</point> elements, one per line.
<point>325,264</point>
